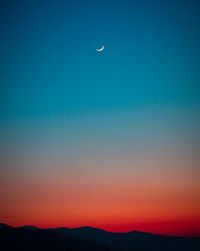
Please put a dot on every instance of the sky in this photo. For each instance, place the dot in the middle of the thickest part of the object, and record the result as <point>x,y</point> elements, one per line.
<point>107,139</point>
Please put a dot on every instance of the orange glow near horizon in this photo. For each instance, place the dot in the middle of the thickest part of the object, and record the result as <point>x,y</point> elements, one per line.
<point>159,202</point>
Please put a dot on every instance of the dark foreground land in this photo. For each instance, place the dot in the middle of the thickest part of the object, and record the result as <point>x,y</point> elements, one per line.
<point>91,239</point>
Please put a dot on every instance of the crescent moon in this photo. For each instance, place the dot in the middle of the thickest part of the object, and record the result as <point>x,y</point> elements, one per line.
<point>100,49</point>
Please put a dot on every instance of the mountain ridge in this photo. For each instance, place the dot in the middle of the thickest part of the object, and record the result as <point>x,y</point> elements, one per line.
<point>90,228</point>
<point>89,238</point>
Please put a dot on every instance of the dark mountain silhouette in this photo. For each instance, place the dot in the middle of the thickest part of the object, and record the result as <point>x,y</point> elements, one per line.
<point>4,226</point>
<point>88,238</point>
<point>28,228</point>
<point>133,240</point>
<point>34,239</point>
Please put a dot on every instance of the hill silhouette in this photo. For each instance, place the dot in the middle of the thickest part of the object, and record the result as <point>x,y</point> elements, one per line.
<point>31,238</point>
<point>133,240</point>
<point>88,238</point>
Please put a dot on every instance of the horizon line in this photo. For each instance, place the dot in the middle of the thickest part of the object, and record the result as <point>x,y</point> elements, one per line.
<point>101,229</point>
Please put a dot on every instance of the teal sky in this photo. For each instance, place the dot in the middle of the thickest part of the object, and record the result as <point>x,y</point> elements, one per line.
<point>147,77</point>
<point>50,66</point>
<point>59,95</point>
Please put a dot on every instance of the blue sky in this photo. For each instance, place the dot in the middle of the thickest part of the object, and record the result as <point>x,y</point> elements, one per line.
<point>50,66</point>
<point>61,98</point>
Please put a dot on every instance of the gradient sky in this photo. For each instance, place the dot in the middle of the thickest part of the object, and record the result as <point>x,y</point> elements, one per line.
<point>106,139</point>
